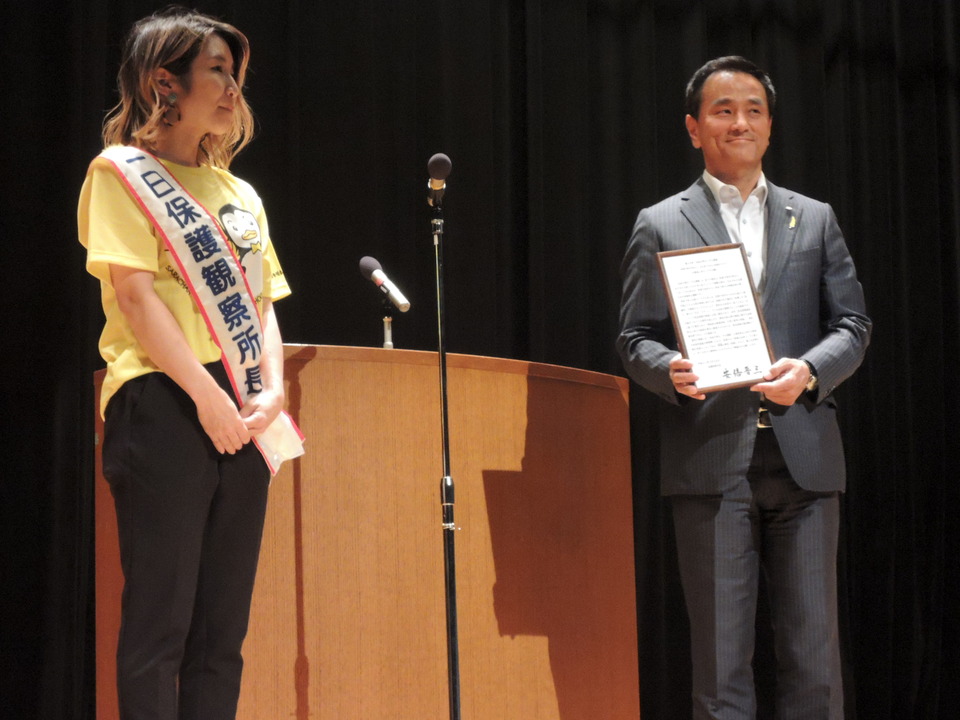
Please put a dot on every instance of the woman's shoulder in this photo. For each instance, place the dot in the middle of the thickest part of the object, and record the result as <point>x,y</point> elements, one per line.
<point>103,181</point>
<point>226,177</point>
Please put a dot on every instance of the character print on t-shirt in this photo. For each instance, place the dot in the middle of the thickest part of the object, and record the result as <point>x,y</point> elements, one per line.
<point>243,230</point>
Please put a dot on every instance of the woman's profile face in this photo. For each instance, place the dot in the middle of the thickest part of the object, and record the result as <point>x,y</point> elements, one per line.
<point>208,106</point>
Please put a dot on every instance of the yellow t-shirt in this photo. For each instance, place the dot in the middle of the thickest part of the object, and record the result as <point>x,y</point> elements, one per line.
<point>115,231</point>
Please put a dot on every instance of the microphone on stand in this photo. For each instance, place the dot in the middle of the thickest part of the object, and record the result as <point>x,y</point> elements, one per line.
<point>439,167</point>
<point>373,272</point>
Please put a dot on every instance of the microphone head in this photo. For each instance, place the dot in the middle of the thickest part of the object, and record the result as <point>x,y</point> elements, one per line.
<point>439,166</point>
<point>368,265</point>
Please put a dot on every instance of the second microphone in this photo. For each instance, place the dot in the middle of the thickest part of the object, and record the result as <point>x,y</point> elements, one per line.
<point>373,271</point>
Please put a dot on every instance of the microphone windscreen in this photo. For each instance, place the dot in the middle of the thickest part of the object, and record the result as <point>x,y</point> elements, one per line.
<point>368,265</point>
<point>439,166</point>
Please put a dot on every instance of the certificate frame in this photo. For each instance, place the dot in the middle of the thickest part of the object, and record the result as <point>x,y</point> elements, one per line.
<point>716,315</point>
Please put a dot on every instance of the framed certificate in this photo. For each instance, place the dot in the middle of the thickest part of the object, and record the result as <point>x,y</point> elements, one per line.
<point>716,315</point>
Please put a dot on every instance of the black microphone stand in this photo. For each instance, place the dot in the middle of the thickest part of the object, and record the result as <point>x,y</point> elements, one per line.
<point>446,484</point>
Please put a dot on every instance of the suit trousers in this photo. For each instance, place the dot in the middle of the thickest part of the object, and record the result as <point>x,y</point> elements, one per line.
<point>771,525</point>
<point>190,523</point>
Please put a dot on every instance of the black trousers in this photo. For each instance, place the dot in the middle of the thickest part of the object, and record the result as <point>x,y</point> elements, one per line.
<point>770,525</point>
<point>190,523</point>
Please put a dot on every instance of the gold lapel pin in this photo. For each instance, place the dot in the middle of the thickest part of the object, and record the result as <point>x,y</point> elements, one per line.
<point>793,219</point>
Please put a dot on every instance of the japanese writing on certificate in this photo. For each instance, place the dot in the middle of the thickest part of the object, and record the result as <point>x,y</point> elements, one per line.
<point>716,315</point>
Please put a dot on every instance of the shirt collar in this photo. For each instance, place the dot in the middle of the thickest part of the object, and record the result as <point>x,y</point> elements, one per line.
<point>724,194</point>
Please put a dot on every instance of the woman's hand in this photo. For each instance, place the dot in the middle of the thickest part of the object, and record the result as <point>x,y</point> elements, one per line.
<point>261,410</point>
<point>221,421</point>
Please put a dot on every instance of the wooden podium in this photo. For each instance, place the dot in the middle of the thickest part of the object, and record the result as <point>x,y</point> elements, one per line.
<point>348,614</point>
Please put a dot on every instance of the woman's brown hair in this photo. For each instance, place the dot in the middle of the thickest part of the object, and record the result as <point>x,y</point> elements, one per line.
<point>172,39</point>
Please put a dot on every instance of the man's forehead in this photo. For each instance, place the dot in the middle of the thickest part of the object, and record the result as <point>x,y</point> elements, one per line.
<point>725,87</point>
<point>727,99</point>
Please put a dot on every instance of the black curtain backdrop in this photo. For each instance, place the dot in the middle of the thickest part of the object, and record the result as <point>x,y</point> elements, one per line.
<point>563,118</point>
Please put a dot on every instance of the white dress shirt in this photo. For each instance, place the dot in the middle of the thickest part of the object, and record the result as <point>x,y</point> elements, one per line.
<point>745,220</point>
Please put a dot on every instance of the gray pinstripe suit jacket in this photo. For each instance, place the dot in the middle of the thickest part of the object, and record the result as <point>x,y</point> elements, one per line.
<point>814,309</point>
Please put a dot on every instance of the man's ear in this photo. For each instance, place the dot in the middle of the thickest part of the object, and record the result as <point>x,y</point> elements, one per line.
<point>693,130</point>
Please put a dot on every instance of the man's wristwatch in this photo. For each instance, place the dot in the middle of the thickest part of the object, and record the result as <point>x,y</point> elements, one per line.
<point>812,382</point>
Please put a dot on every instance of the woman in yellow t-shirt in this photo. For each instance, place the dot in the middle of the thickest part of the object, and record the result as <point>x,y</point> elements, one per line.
<point>190,487</point>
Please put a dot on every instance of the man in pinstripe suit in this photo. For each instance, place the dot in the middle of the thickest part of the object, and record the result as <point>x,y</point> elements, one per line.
<point>754,474</point>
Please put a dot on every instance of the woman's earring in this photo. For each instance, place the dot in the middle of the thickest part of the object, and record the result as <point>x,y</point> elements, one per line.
<point>172,106</point>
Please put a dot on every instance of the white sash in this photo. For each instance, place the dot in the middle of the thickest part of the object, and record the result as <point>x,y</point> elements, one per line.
<point>216,281</point>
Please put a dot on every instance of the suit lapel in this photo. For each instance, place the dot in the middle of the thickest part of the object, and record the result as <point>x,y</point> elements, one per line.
<point>700,209</point>
<point>783,224</point>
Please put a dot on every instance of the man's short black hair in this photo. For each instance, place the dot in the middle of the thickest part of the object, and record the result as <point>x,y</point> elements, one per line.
<point>728,63</point>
